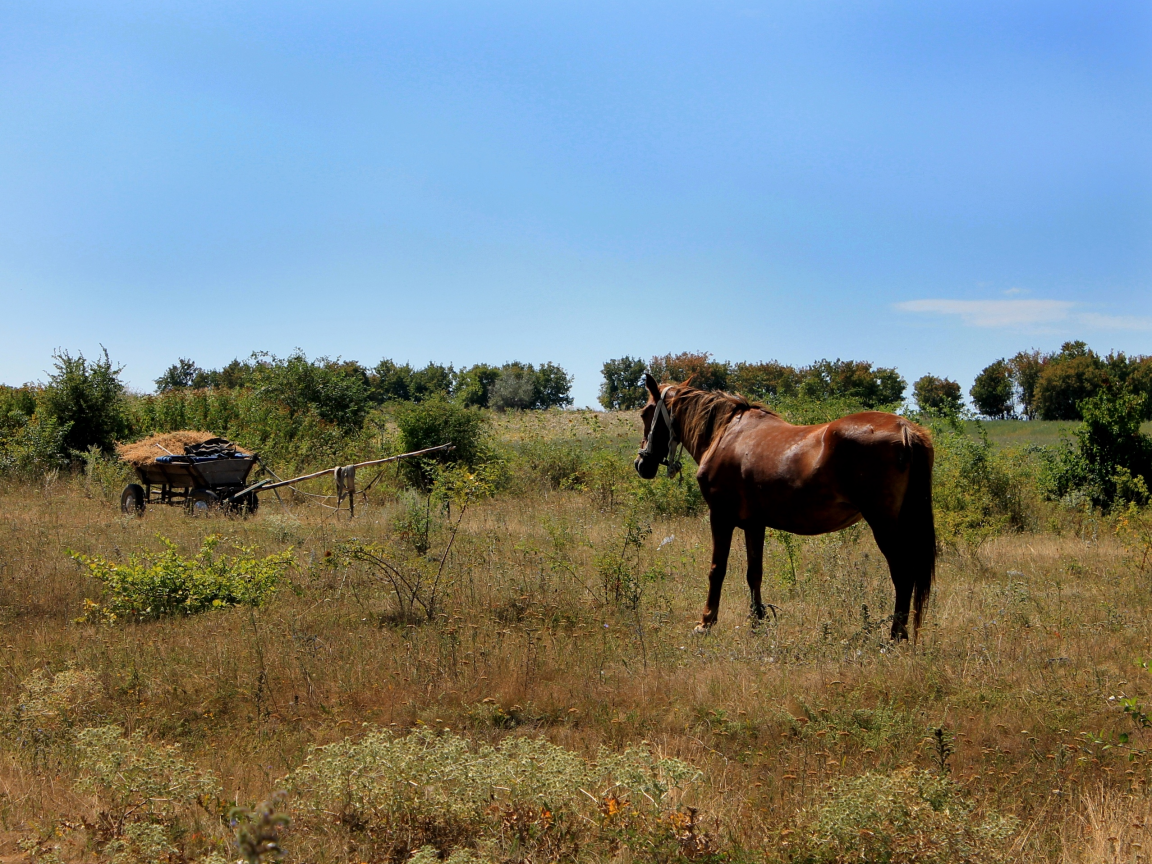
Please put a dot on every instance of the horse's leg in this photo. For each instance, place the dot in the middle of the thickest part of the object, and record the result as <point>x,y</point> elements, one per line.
<point>721,542</point>
<point>754,543</point>
<point>888,539</point>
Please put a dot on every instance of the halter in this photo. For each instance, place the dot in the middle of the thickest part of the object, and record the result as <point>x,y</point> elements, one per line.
<point>674,464</point>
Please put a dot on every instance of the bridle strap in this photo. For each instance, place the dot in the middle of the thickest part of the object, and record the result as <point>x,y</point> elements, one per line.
<point>663,412</point>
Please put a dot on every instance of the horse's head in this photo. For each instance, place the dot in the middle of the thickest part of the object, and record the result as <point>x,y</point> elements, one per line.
<point>659,436</point>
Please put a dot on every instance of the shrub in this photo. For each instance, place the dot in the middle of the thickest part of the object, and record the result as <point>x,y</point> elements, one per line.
<point>978,490</point>
<point>1111,460</point>
<point>807,411</point>
<point>171,584</point>
<point>992,391</point>
<point>438,421</point>
<point>441,789</point>
<point>48,711</point>
<point>33,448</point>
<point>938,396</point>
<point>623,386</point>
<point>86,402</point>
<point>135,779</point>
<point>903,817</point>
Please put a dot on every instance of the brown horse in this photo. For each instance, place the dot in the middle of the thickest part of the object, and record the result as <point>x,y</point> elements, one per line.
<point>759,471</point>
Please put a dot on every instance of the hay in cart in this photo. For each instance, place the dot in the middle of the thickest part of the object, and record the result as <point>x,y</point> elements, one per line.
<point>146,451</point>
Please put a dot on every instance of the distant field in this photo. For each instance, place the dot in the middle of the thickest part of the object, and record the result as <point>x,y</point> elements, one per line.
<point>1024,432</point>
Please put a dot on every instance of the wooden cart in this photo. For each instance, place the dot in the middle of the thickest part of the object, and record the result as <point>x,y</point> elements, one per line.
<point>197,483</point>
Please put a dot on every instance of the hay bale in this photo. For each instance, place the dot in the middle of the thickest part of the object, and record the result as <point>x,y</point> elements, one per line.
<point>146,451</point>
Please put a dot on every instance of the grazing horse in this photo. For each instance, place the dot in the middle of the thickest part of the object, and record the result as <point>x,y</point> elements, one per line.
<point>759,471</point>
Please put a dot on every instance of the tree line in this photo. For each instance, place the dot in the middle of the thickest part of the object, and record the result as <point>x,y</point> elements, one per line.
<point>354,388</point>
<point>856,380</point>
<point>1053,386</point>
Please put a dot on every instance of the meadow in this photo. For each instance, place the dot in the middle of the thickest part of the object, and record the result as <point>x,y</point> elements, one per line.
<point>505,672</point>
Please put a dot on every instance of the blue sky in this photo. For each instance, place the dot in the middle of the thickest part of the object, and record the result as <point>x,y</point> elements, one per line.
<point>927,186</point>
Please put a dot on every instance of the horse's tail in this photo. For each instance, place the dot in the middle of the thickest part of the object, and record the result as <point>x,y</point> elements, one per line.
<point>917,525</point>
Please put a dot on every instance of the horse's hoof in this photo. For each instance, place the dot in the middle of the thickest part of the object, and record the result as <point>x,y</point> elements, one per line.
<point>701,629</point>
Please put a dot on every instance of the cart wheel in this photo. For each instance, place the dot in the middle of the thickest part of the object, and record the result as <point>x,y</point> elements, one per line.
<point>201,502</point>
<point>132,499</point>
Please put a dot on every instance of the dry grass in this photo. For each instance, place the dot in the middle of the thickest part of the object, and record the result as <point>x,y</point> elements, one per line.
<point>1027,641</point>
<point>146,451</point>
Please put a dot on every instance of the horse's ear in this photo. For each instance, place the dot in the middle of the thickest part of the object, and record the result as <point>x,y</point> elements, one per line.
<point>689,381</point>
<point>652,386</point>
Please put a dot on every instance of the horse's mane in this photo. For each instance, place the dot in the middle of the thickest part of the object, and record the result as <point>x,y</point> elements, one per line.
<point>703,413</point>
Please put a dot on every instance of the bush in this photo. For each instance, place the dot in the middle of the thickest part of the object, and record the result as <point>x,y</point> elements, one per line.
<point>437,421</point>
<point>1111,460</point>
<point>86,401</point>
<point>906,817</point>
<point>48,711</point>
<point>171,584</point>
<point>33,448</point>
<point>136,780</point>
<point>441,789</point>
<point>978,490</point>
<point>992,391</point>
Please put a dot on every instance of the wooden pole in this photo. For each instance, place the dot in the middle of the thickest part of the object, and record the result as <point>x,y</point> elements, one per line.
<point>264,484</point>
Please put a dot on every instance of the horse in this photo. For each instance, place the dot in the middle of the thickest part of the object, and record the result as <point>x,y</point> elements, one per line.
<point>758,471</point>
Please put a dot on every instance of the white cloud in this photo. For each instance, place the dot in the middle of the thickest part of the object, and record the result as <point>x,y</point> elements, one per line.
<point>995,313</point>
<point>1114,322</point>
<point>1025,313</point>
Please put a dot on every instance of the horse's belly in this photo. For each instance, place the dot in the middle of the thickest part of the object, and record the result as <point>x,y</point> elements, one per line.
<point>809,510</point>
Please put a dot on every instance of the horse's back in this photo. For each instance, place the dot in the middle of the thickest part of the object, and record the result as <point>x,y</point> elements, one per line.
<point>810,479</point>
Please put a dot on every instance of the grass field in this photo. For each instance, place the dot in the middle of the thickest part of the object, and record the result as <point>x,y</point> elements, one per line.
<point>1020,433</point>
<point>561,618</point>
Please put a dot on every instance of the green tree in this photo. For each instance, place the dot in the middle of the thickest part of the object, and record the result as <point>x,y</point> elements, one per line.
<point>706,373</point>
<point>475,383</point>
<point>855,379</point>
<point>1025,369</point>
<point>86,399</point>
<point>1066,380</point>
<point>515,390</point>
<point>335,392</point>
<point>184,374</point>
<point>764,381</point>
<point>992,390</point>
<point>432,380</point>
<point>553,387</point>
<point>939,396</point>
<point>623,386</point>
